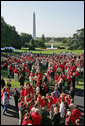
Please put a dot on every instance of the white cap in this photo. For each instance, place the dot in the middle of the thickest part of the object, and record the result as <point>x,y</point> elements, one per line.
<point>69,113</point>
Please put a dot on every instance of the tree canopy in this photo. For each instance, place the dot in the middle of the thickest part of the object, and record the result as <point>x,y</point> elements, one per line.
<point>10,37</point>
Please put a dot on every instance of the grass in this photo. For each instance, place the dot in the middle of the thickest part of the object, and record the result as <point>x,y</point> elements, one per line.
<point>16,84</point>
<point>51,51</point>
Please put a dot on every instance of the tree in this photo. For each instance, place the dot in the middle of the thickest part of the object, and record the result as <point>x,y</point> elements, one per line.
<point>77,41</point>
<point>32,44</point>
<point>25,39</point>
<point>9,35</point>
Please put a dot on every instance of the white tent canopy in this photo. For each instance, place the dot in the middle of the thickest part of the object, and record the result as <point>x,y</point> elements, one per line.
<point>12,48</point>
<point>2,48</point>
<point>9,48</point>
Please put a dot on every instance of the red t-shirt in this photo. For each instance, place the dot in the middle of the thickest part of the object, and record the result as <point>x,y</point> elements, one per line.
<point>63,76</point>
<point>71,74</point>
<point>58,79</point>
<point>19,61</point>
<point>56,76</point>
<point>15,71</point>
<point>22,92</point>
<point>53,99</point>
<point>40,75</point>
<point>65,67</point>
<point>10,67</point>
<point>26,92</point>
<point>68,101</point>
<point>25,123</point>
<point>72,60</point>
<point>72,119</point>
<point>43,102</point>
<point>54,68</point>
<point>49,72</point>
<point>49,105</point>
<point>77,74</point>
<point>36,119</point>
<point>76,113</point>
<point>46,88</point>
<point>69,79</point>
<point>25,65</point>
<point>26,70</point>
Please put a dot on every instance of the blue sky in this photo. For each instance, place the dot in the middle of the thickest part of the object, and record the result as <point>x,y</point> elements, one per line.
<point>53,18</point>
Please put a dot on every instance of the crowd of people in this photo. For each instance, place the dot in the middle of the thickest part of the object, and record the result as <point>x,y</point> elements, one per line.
<point>37,104</point>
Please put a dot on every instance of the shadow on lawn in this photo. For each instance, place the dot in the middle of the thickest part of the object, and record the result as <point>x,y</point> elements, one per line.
<point>33,50</point>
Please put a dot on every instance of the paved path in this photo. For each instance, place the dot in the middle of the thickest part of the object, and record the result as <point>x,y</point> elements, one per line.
<point>12,115</point>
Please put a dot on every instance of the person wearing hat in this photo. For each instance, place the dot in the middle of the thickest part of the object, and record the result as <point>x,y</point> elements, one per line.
<point>27,119</point>
<point>71,117</point>
<point>36,117</point>
<point>76,113</point>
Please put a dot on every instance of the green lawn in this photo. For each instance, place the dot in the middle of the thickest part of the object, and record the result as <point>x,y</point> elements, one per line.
<point>17,84</point>
<point>51,51</point>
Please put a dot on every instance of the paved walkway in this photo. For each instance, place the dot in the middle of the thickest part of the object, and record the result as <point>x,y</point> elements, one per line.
<point>11,118</point>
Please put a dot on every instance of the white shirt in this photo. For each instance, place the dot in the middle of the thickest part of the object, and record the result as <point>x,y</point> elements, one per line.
<point>62,109</point>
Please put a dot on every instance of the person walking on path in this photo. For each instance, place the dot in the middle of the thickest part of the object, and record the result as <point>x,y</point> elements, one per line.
<point>5,102</point>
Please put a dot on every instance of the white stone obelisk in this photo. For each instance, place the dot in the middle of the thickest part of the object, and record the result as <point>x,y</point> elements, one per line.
<point>34,27</point>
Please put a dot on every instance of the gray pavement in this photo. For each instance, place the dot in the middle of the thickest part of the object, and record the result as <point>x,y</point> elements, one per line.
<point>11,118</point>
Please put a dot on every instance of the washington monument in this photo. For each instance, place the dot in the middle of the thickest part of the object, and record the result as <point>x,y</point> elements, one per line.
<point>34,27</point>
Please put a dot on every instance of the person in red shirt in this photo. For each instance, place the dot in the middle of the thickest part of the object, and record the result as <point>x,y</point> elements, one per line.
<point>15,71</point>
<point>77,76</point>
<point>64,77</point>
<point>73,60</point>
<point>54,68</point>
<point>53,98</point>
<point>61,96</point>
<point>76,113</point>
<point>69,116</point>
<point>26,91</point>
<point>67,99</point>
<point>26,71</point>
<point>42,102</point>
<point>22,90</point>
<point>27,120</point>
<point>36,117</point>
<point>68,82</point>
<point>10,70</point>
<point>49,107</point>
<point>40,75</point>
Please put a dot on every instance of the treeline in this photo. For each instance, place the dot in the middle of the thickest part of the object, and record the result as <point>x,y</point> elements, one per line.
<point>10,37</point>
<point>74,42</point>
